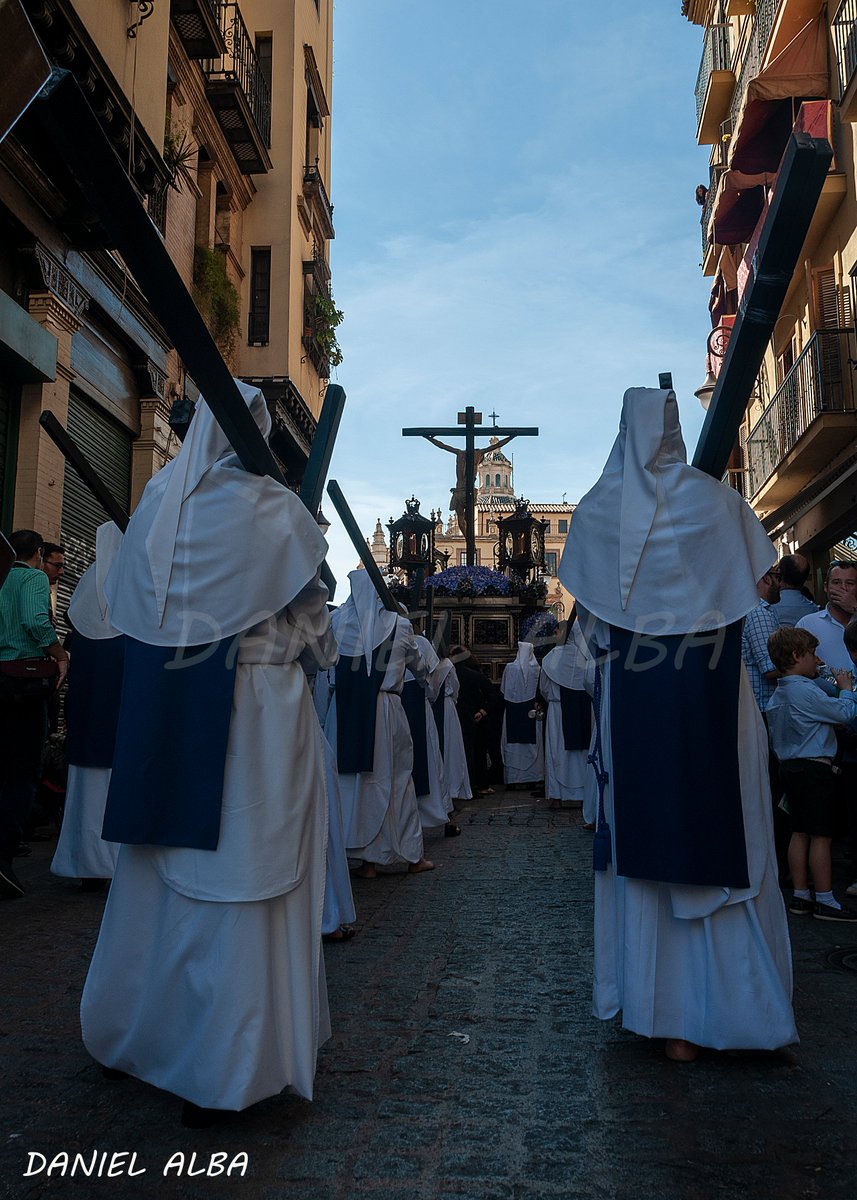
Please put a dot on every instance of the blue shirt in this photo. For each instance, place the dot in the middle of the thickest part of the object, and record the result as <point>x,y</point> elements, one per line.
<point>831,639</point>
<point>801,718</point>
<point>792,606</point>
<point>758,627</point>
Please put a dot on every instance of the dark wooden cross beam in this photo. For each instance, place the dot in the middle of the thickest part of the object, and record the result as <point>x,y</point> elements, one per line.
<point>463,497</point>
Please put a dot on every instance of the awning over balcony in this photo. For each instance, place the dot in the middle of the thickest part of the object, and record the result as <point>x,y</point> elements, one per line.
<point>799,71</point>
<point>740,200</point>
<point>800,183</point>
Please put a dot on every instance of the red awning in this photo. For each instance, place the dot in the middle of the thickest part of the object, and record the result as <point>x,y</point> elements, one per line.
<point>799,71</point>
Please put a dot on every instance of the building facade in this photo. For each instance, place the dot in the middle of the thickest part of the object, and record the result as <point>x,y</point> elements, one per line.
<point>221,113</point>
<point>771,68</point>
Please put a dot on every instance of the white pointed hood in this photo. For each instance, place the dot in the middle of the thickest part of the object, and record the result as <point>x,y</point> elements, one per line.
<point>521,678</point>
<point>204,526</point>
<point>657,545</point>
<point>362,622</point>
<point>88,610</point>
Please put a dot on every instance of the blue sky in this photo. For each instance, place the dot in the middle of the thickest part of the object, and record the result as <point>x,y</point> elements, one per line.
<point>515,229</point>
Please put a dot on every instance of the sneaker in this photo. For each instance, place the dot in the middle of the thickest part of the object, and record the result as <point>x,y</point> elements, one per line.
<point>851,891</point>
<point>10,886</point>
<point>826,912</point>
<point>799,907</point>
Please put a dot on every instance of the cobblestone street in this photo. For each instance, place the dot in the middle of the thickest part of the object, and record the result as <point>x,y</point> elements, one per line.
<point>464,1063</point>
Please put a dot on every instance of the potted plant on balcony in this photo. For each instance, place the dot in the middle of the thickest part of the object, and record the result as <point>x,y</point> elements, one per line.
<point>216,298</point>
<point>323,319</point>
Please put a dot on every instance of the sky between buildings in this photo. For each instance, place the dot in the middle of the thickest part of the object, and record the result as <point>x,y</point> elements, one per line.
<point>515,229</point>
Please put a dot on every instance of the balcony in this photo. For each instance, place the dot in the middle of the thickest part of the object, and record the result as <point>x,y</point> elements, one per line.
<point>315,203</point>
<point>239,94</point>
<point>810,418</point>
<point>844,31</point>
<point>714,84</point>
<point>197,23</point>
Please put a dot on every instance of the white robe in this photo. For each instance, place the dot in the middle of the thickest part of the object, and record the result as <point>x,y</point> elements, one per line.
<point>379,807</point>
<point>207,979</point>
<point>81,851</point>
<point>523,762</point>
<point>338,898</point>
<point>454,757</point>
<point>710,965</point>
<point>565,770</point>
<point>436,804</point>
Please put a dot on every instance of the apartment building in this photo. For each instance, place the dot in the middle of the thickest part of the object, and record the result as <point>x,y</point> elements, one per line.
<point>220,112</point>
<point>770,68</point>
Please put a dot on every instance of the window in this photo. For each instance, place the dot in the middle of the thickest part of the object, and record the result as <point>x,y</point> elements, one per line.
<point>260,296</point>
<point>550,561</point>
<point>562,525</point>
<point>265,55</point>
<point>506,480</point>
<point>462,558</point>
<point>496,480</point>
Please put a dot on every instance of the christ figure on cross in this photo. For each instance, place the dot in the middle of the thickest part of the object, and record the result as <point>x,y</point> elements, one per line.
<point>458,502</point>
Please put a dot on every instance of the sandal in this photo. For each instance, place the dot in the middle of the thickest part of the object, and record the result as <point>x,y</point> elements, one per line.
<point>343,934</point>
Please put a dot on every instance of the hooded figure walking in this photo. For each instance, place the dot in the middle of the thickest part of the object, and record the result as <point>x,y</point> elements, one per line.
<point>691,939</point>
<point>207,979</point>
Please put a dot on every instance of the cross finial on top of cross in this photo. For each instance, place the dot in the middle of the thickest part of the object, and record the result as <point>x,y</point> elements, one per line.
<point>493,416</point>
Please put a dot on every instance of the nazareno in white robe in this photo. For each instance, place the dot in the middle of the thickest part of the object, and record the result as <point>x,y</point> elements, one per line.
<point>81,852</point>
<point>436,805</point>
<point>523,762</point>
<point>207,979</point>
<point>445,678</point>
<point>338,897</point>
<point>711,965</point>
<point>379,807</point>
<point>569,665</point>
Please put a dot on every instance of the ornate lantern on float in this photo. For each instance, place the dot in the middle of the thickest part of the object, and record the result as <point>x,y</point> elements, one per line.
<point>521,548</point>
<point>411,541</point>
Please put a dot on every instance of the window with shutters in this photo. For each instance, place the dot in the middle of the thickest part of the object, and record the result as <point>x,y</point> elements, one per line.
<point>259,322</point>
<point>107,445</point>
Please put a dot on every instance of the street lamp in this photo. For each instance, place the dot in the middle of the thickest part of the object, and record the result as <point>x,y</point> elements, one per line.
<point>706,390</point>
<point>322,522</point>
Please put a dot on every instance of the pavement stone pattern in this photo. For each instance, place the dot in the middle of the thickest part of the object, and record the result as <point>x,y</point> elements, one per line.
<point>464,1063</point>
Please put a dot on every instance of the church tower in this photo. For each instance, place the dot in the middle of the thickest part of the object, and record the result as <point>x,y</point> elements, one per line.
<point>496,475</point>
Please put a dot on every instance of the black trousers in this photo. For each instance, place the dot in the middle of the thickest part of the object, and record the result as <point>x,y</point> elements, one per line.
<point>23,729</point>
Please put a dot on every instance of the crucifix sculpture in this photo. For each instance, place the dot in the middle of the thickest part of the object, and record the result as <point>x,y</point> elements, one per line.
<point>467,462</point>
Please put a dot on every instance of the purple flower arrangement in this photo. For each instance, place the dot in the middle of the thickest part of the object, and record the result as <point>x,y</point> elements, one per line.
<point>469,581</point>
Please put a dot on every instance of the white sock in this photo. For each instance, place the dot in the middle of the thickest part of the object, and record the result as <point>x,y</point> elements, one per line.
<point>803,894</point>
<point>827,898</point>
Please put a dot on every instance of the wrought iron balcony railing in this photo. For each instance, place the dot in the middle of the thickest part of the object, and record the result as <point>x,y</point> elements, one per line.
<point>819,382</point>
<point>844,30</point>
<point>240,67</point>
<point>716,56</point>
<point>755,53</point>
<point>714,176</point>
<point>197,23</point>
<point>316,193</point>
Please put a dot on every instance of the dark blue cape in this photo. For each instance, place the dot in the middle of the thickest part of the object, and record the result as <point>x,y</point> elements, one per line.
<point>167,783</point>
<point>520,728</point>
<point>576,709</point>
<point>414,704</point>
<point>677,814</point>
<point>92,700</point>
<point>438,709</point>
<point>357,692</point>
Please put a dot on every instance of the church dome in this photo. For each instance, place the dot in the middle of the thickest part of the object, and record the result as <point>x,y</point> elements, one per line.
<point>495,476</point>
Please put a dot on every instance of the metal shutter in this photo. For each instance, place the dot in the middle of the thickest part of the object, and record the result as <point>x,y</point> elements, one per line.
<point>108,447</point>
